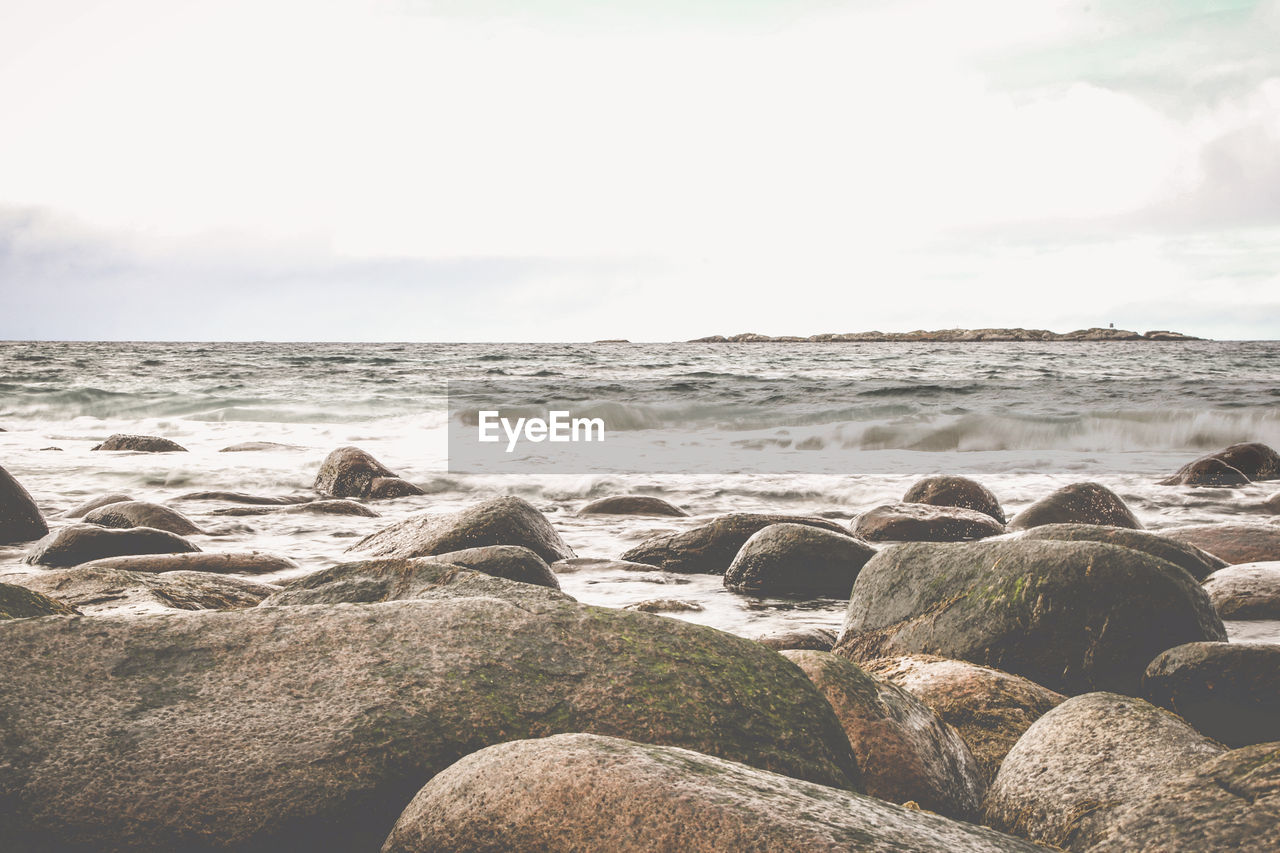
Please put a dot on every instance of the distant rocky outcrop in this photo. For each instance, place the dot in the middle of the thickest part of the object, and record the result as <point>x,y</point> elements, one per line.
<point>953,336</point>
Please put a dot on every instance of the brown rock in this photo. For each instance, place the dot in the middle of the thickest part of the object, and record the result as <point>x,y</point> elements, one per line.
<point>396,579</point>
<point>18,602</point>
<point>1199,564</point>
<point>710,548</point>
<point>1235,544</point>
<point>93,503</point>
<point>1229,691</point>
<point>1248,591</point>
<point>140,444</point>
<point>236,563</point>
<point>349,472</point>
<point>385,488</point>
<point>907,522</point>
<point>126,514</point>
<point>512,562</point>
<point>811,639</point>
<point>1079,503</point>
<point>632,505</point>
<point>797,559</point>
<point>81,543</point>
<point>955,491</point>
<point>96,591</point>
<point>1209,471</point>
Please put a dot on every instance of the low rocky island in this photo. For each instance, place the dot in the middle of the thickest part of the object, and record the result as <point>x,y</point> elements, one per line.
<point>944,336</point>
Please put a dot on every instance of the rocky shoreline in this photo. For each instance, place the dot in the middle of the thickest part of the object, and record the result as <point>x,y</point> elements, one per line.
<point>953,336</point>
<point>1060,677</point>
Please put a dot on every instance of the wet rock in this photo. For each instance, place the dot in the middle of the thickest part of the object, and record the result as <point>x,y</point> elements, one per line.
<point>97,591</point>
<point>1229,691</point>
<point>395,579</point>
<point>88,506</point>
<point>385,488</point>
<point>1082,760</point>
<point>1249,591</point>
<point>665,605</point>
<point>126,514</point>
<point>955,491</point>
<point>796,559</point>
<point>905,522</point>
<point>1208,471</point>
<point>905,752</point>
<point>1199,564</point>
<point>333,507</point>
<point>1226,804</point>
<point>1079,503</point>
<point>349,472</point>
<point>1255,460</point>
<point>581,564</point>
<point>710,548</point>
<point>1016,605</point>
<point>1235,544</point>
<point>587,792</point>
<point>241,498</point>
<point>989,708</point>
<point>309,728</point>
<point>20,518</point>
<point>140,444</point>
<point>252,446</point>
<point>234,563</point>
<point>500,521</point>
<point>81,543</point>
<point>631,505</point>
<point>512,562</point>
<point>19,602</point>
<point>811,639</point>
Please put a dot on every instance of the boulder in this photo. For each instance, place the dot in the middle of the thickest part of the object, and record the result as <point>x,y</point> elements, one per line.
<point>1226,804</point>
<point>812,639</point>
<point>309,728</point>
<point>991,709</point>
<point>1199,564</point>
<point>1235,544</point>
<point>585,792</point>
<point>81,510</point>
<point>1255,460</point>
<point>512,562</point>
<point>81,543</point>
<point>905,752</point>
<point>1079,503</point>
<point>395,579</point>
<point>1082,760</point>
<point>126,514</point>
<point>233,563</point>
<point>18,602</point>
<point>1229,691</point>
<point>796,559</point>
<point>1072,616</point>
<point>631,505</point>
<point>500,521</point>
<point>711,547</point>
<point>349,472</point>
<point>385,488</point>
<point>140,444</point>
<point>1208,471</point>
<point>96,591</point>
<point>1248,591</point>
<point>955,491</point>
<point>20,518</point>
<point>905,522</point>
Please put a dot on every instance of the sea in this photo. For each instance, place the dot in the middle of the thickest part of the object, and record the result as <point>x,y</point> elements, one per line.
<point>806,428</point>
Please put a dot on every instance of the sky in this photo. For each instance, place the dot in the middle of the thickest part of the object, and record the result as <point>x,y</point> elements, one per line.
<point>541,170</point>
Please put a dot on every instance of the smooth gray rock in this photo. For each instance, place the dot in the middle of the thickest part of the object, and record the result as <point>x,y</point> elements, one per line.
<point>1083,759</point>
<point>797,559</point>
<point>82,543</point>
<point>512,562</point>
<point>1072,616</point>
<point>125,514</point>
<point>20,518</point>
<point>1078,503</point>
<point>907,522</point>
<point>96,591</point>
<point>140,444</point>
<point>1197,562</point>
<point>308,728</point>
<point>500,521</point>
<point>1248,591</point>
<point>1229,691</point>
<point>584,792</point>
<point>955,491</point>
<point>711,547</point>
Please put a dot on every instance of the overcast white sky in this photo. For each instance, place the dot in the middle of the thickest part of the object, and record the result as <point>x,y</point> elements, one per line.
<point>647,169</point>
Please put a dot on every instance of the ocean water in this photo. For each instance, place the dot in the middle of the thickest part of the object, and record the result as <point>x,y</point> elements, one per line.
<point>829,429</point>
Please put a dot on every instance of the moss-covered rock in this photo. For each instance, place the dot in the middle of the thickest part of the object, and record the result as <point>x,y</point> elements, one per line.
<point>20,518</point>
<point>1229,691</point>
<point>1071,616</point>
<point>18,602</point>
<point>311,727</point>
<point>1079,503</point>
<point>711,547</point>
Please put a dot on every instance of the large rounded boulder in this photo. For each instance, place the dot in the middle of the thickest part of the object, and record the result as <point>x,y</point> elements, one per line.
<point>500,521</point>
<point>309,728</point>
<point>711,547</point>
<point>83,509</point>
<point>907,522</point>
<point>126,514</point>
<point>140,444</point>
<point>394,579</point>
<point>1235,544</point>
<point>1229,691</point>
<point>83,543</point>
<point>632,505</point>
<point>20,518</point>
<point>905,752</point>
<point>989,708</point>
<point>1072,616</point>
<point>955,491</point>
<point>1079,503</point>
<point>512,562</point>
<point>1083,759</point>
<point>1208,471</point>
<point>796,559</point>
<point>1199,564</point>
<point>350,472</point>
<point>1227,804</point>
<point>585,792</point>
<point>1248,591</point>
